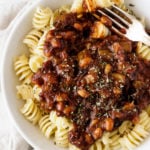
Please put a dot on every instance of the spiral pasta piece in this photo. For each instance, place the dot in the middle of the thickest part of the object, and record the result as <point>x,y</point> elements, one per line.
<point>46,126</point>
<point>61,137</point>
<point>98,145</point>
<point>35,62</point>
<point>73,147</point>
<point>25,91</point>
<point>99,30</point>
<point>39,50</point>
<point>134,138</point>
<point>145,120</point>
<point>90,5</point>
<point>111,140</point>
<point>148,110</point>
<point>32,39</point>
<point>22,69</point>
<point>105,138</point>
<point>42,17</point>
<point>143,51</point>
<point>36,92</point>
<point>125,127</point>
<point>63,123</point>
<point>103,3</point>
<point>31,111</point>
<point>77,6</point>
<point>60,122</point>
<point>53,116</point>
<point>62,10</point>
<point>115,145</point>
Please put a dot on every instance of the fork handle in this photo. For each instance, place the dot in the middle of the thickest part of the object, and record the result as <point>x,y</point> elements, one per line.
<point>146,39</point>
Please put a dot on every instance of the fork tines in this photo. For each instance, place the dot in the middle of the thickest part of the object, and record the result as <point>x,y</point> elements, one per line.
<point>119,18</point>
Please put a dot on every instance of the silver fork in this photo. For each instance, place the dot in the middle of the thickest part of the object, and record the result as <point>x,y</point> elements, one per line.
<point>134,30</point>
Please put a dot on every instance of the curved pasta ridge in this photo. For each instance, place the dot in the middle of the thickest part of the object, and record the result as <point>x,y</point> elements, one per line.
<point>98,145</point>
<point>57,12</point>
<point>25,91</point>
<point>99,30</point>
<point>46,126</point>
<point>41,17</point>
<point>148,110</point>
<point>32,39</point>
<point>36,91</point>
<point>73,147</point>
<point>145,120</point>
<point>22,69</point>
<point>60,122</point>
<point>35,62</point>
<point>39,50</point>
<point>125,128</point>
<point>111,140</point>
<point>134,138</point>
<point>31,111</point>
<point>143,51</point>
<point>61,137</point>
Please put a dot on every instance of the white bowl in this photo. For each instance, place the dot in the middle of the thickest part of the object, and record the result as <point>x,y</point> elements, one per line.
<point>14,47</point>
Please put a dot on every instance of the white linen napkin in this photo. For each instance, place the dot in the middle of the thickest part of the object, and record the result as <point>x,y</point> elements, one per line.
<point>9,137</point>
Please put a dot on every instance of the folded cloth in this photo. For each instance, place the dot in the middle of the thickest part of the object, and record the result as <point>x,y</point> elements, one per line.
<point>9,137</point>
<point>8,11</point>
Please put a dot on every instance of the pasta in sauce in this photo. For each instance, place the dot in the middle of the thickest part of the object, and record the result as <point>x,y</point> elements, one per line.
<point>97,81</point>
<point>89,86</point>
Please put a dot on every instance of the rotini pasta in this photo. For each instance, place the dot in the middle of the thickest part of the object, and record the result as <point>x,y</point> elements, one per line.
<point>62,10</point>
<point>61,137</point>
<point>53,116</point>
<point>42,17</point>
<point>125,128</point>
<point>72,147</point>
<point>106,138</point>
<point>148,110</point>
<point>35,62</point>
<point>111,140</point>
<point>47,127</point>
<point>92,4</point>
<point>63,123</point>
<point>98,145</point>
<point>99,30</point>
<point>36,92</point>
<point>104,3</point>
<point>23,71</point>
<point>134,138</point>
<point>145,120</point>
<point>60,122</point>
<point>31,111</point>
<point>143,51</point>
<point>39,50</point>
<point>25,91</point>
<point>115,145</point>
<point>77,6</point>
<point>32,39</point>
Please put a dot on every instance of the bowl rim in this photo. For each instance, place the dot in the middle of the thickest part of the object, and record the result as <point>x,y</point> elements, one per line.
<point>12,28</point>
<point>2,76</point>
